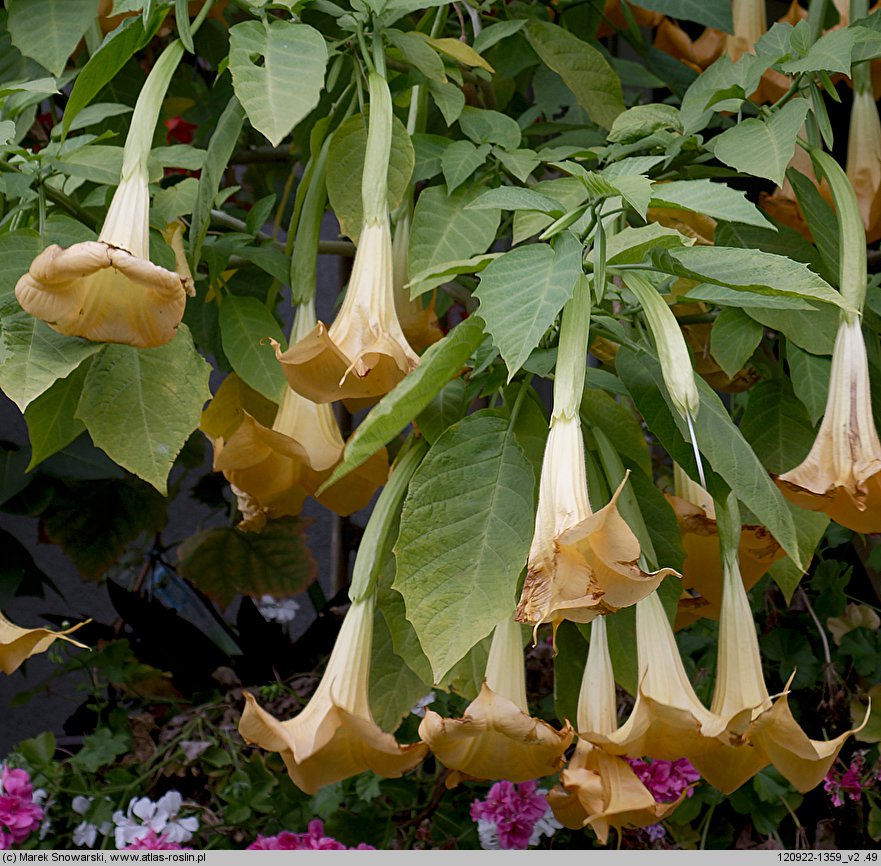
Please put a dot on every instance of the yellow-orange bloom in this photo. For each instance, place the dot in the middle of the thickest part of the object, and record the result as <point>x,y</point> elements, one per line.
<point>841,476</point>
<point>597,789</point>
<point>108,290</point>
<point>18,644</point>
<point>864,158</point>
<point>335,736</point>
<point>364,353</point>
<point>496,738</point>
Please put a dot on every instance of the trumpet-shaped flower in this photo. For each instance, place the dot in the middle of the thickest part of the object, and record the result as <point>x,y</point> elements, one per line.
<point>18,644</point>
<point>364,353</point>
<point>864,154</point>
<point>496,738</point>
<point>702,569</point>
<point>841,475</point>
<point>108,290</point>
<point>277,467</point>
<point>335,736</point>
<point>597,789</point>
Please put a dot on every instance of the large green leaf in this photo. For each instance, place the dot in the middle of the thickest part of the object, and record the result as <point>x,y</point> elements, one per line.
<point>140,405</point>
<point>763,147</point>
<point>51,418</point>
<point>224,561</point>
<point>17,250</point>
<point>820,217</point>
<point>600,410</point>
<point>831,53</point>
<point>49,30</point>
<point>810,526</point>
<point>582,67</point>
<point>345,165</point>
<point>721,443</point>
<point>465,532</point>
<point>490,127</point>
<point>733,339</point>
<point>777,426</point>
<point>460,160</point>
<point>781,240</point>
<point>445,229</point>
<point>713,199</point>
<point>811,330</point>
<point>411,395</point>
<point>33,357</point>
<point>712,13</point>
<point>245,325</point>
<point>750,270</point>
<point>286,85</point>
<point>522,292</point>
<point>810,379</point>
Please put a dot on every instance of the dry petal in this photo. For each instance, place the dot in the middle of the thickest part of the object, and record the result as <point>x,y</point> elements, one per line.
<point>18,644</point>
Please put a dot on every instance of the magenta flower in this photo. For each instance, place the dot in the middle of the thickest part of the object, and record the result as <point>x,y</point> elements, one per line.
<point>850,783</point>
<point>20,815</point>
<point>513,817</point>
<point>666,780</point>
<point>154,842</point>
<point>312,840</point>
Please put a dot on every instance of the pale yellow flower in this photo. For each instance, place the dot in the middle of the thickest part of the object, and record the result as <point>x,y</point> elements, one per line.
<point>496,738</point>
<point>335,736</point>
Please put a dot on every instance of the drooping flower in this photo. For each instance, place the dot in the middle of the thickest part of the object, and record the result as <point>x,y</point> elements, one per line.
<point>144,816</point>
<point>20,814</point>
<point>278,467</point>
<point>364,353</point>
<point>702,569</point>
<point>841,475</point>
<point>335,736</point>
<point>581,564</point>
<point>513,817</point>
<point>312,840</point>
<point>597,789</point>
<point>18,644</point>
<point>108,290</point>
<point>864,153</point>
<point>496,738</point>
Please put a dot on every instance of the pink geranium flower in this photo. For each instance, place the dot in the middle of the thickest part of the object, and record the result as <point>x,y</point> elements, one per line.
<point>513,817</point>
<point>850,783</point>
<point>312,840</point>
<point>666,780</point>
<point>20,815</point>
<point>154,842</point>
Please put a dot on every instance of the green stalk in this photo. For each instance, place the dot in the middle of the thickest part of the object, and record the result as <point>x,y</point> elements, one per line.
<point>572,351</point>
<point>377,535</point>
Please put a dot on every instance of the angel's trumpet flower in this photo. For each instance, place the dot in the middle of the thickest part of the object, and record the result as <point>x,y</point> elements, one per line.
<point>597,789</point>
<point>841,475</point>
<point>278,467</point>
<point>581,564</point>
<point>364,353</point>
<point>741,697</point>
<point>335,736</point>
<point>108,290</point>
<point>864,151</point>
<point>702,569</point>
<point>418,322</point>
<point>496,738</point>
<point>18,644</point>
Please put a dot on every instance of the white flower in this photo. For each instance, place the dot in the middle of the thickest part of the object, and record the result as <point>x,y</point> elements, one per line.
<point>86,833</point>
<point>160,817</point>
<point>422,703</point>
<point>488,833</point>
<point>275,610</point>
<point>547,825</point>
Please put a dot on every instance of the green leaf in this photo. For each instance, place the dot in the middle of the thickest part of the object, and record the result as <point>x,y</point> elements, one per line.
<point>782,241</point>
<point>418,53</point>
<point>428,150</point>
<point>411,395</point>
<point>820,217</point>
<point>345,165</point>
<point>446,407</point>
<point>712,13</point>
<point>226,560</point>
<point>449,99</point>
<point>460,160</point>
<point>245,325</point>
<point>582,67</point>
<point>220,149</point>
<point>722,444</point>
<point>632,245</point>
<point>569,191</point>
<point>733,339</point>
<point>33,357</point>
<point>286,86</point>
<point>746,300</point>
<point>810,527</point>
<point>490,127</point>
<point>522,292</point>
<point>642,120</point>
<point>569,662</point>
<point>515,198</point>
<point>445,272</point>
<point>777,426</point>
<point>520,163</point>
<point>811,330</point>
<point>470,502</point>
<point>750,270</point>
<point>495,33</point>
<point>17,250</point>
<point>394,687</point>
<point>140,405</point>
<point>810,379</point>
<point>600,410</point>
<point>100,749</point>
<point>445,229</point>
<point>101,163</point>
<point>763,148</point>
<point>182,22</point>
<point>49,30</point>
<point>830,53</point>
<point>713,199</point>
<point>52,423</point>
